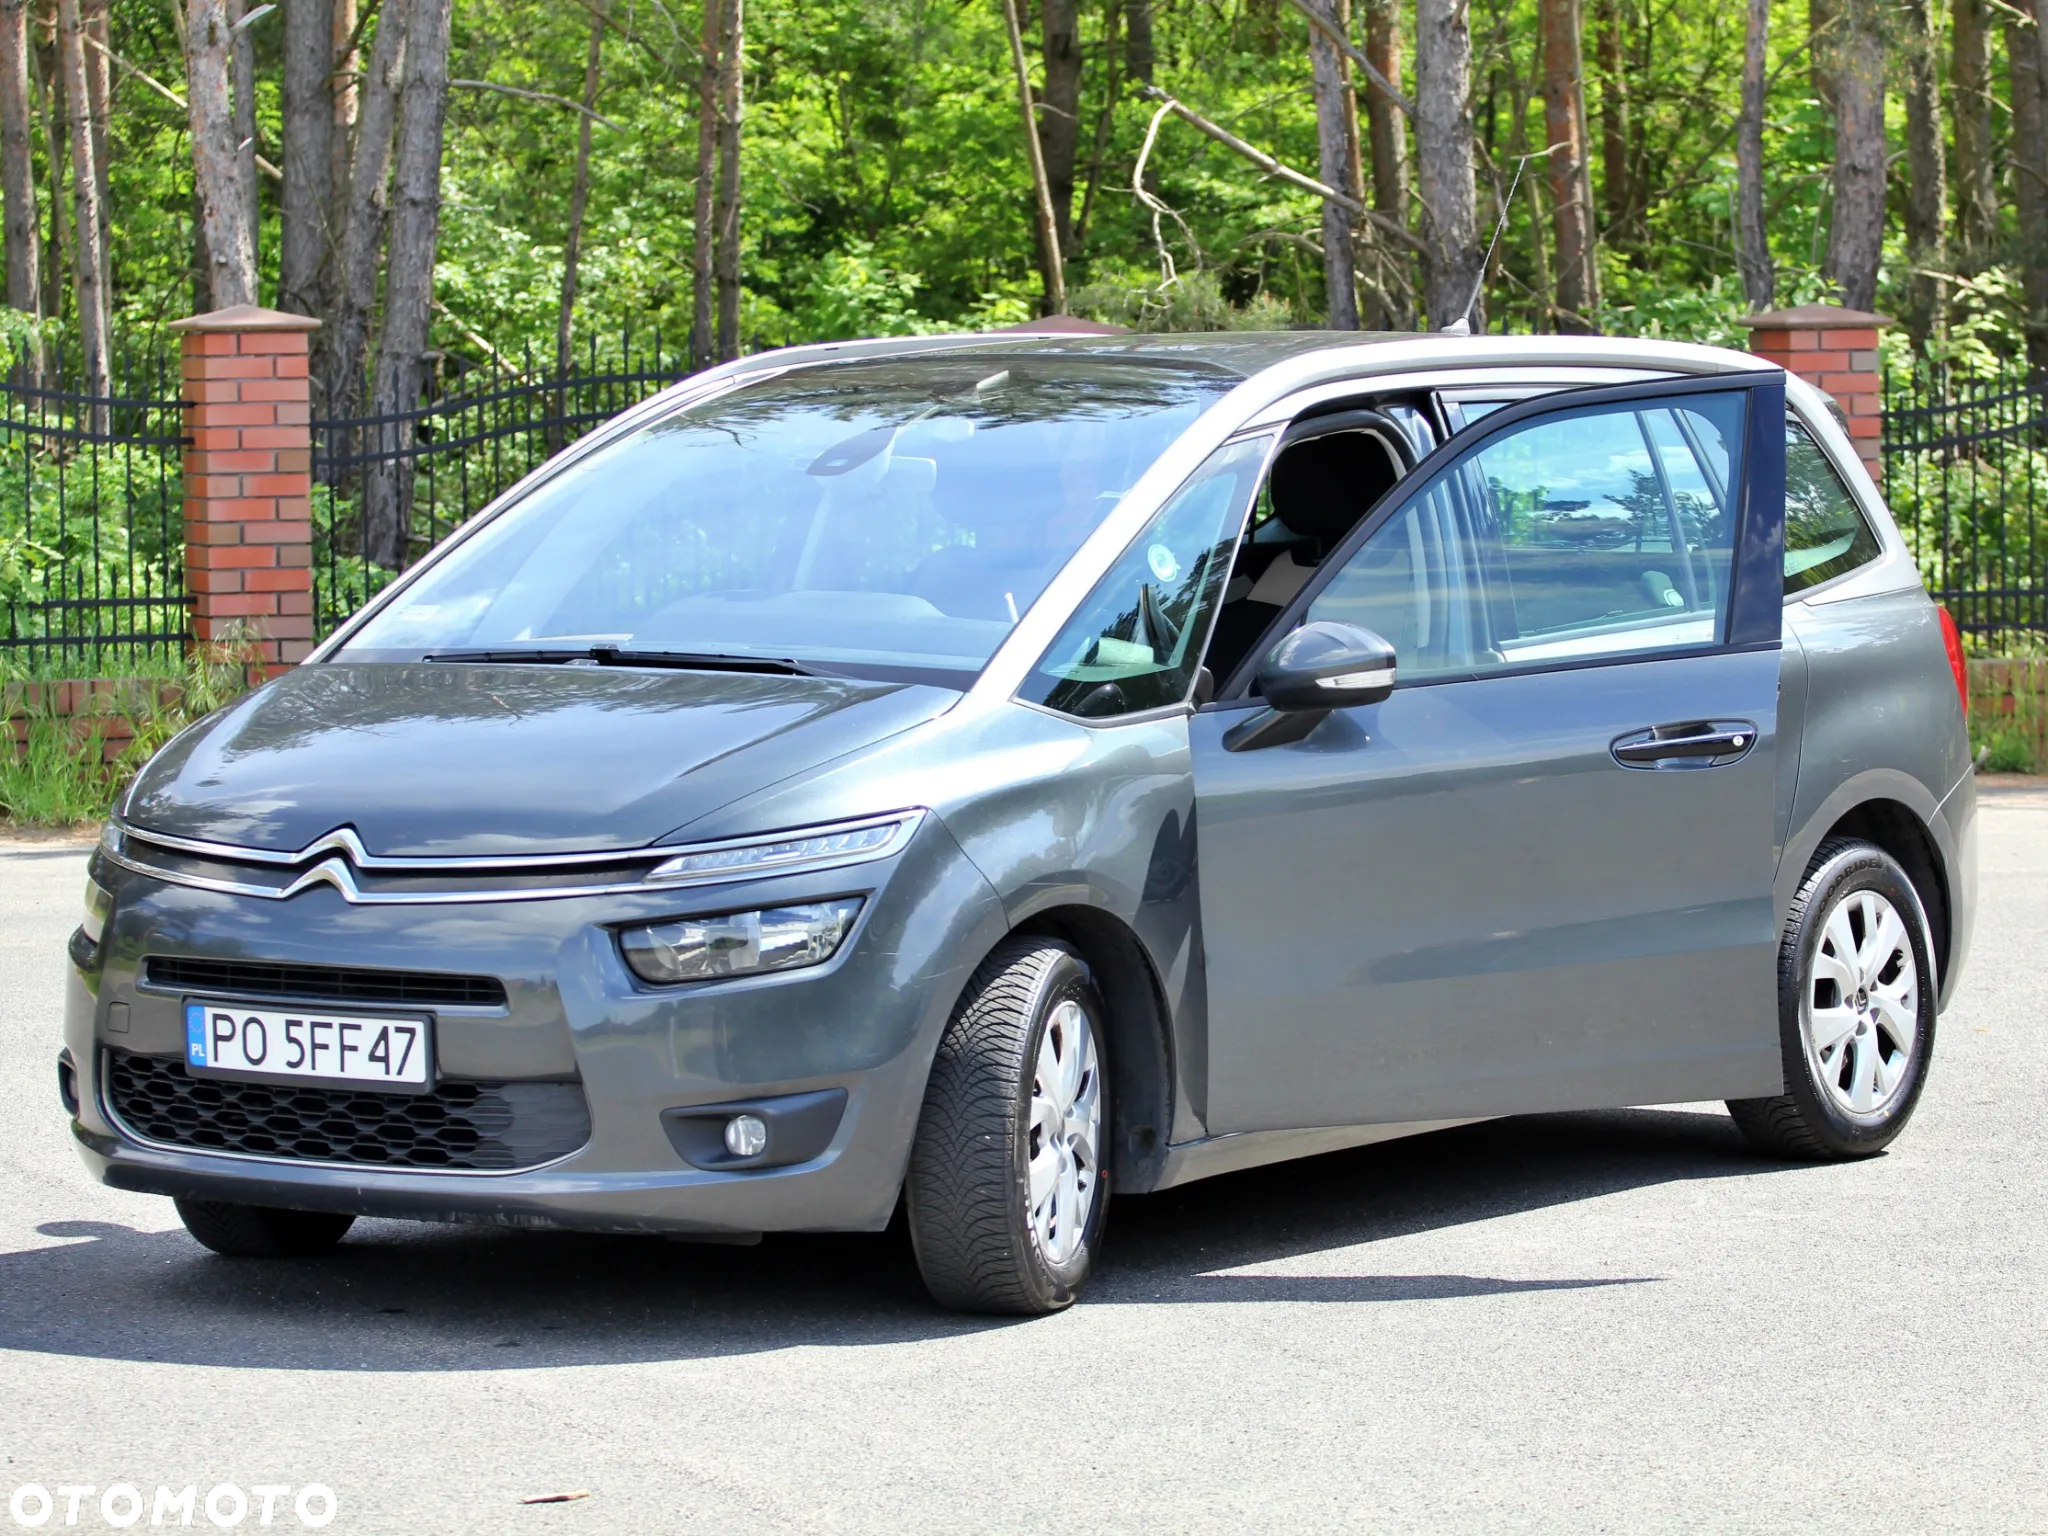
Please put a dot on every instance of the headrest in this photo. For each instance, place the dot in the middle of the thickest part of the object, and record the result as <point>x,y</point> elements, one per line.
<point>1322,486</point>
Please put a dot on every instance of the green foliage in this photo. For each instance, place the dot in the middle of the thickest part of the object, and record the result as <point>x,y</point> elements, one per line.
<point>886,189</point>
<point>2003,749</point>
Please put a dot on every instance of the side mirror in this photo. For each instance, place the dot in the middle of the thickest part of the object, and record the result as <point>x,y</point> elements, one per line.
<point>1319,667</point>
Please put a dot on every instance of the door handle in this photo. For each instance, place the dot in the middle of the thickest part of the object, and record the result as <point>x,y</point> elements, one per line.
<point>1695,743</point>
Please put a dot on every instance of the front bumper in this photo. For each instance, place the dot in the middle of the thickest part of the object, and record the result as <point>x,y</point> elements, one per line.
<point>866,1023</point>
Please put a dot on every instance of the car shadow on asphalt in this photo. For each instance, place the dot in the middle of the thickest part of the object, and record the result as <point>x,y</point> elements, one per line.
<point>412,1297</point>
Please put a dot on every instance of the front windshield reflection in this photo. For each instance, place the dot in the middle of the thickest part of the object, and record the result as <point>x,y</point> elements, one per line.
<point>889,515</point>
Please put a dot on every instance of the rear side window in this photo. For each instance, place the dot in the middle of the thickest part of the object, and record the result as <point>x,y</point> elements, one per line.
<point>1825,531</point>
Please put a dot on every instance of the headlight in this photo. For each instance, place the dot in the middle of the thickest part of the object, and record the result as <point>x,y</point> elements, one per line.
<point>738,943</point>
<point>848,842</point>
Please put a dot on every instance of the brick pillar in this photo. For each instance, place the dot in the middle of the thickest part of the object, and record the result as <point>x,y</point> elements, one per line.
<point>248,478</point>
<point>1834,350</point>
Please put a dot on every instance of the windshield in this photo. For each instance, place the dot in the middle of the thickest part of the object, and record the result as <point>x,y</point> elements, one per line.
<point>875,518</point>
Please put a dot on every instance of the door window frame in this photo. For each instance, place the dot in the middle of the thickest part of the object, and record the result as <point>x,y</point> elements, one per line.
<point>1754,618</point>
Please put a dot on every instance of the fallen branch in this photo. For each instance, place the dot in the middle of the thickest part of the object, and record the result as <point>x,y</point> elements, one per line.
<point>1169,274</point>
<point>475,340</point>
<point>1275,169</point>
<point>168,94</point>
<point>547,96</point>
<point>1335,34</point>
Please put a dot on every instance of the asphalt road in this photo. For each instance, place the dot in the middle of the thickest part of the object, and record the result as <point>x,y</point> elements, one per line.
<point>1596,1322</point>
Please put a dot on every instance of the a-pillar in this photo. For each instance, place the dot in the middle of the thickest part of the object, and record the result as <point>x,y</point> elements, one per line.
<point>1835,350</point>
<point>248,480</point>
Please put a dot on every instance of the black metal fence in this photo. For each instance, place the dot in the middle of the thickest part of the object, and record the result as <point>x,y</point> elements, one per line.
<point>1966,475</point>
<point>92,571</point>
<point>91,523</point>
<point>388,488</point>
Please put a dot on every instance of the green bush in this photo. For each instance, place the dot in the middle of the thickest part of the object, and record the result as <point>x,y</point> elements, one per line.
<point>59,777</point>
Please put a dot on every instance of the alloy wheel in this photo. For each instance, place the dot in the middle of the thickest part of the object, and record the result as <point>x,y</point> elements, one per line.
<point>1066,1133</point>
<point>1861,1012</point>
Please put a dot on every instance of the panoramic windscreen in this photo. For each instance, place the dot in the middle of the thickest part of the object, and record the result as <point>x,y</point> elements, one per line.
<point>869,516</point>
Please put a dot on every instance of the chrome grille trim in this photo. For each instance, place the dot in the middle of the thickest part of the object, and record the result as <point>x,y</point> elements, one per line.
<point>343,840</point>
<point>339,856</point>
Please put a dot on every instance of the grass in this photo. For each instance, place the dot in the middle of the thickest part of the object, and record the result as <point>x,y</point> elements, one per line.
<point>2010,732</point>
<point>60,778</point>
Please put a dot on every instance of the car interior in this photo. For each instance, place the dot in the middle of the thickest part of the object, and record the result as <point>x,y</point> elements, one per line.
<point>1319,488</point>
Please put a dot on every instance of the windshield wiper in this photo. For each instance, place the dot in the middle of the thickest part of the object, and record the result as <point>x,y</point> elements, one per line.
<point>613,656</point>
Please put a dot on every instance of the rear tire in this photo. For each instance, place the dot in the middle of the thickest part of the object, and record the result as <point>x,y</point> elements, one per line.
<point>1009,1185</point>
<point>1856,1010</point>
<point>262,1232</point>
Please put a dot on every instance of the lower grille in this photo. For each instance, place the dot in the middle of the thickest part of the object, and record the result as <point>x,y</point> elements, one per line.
<point>481,1127</point>
<point>322,983</point>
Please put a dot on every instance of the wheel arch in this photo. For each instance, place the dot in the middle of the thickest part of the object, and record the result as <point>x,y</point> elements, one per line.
<point>1902,832</point>
<point>1140,1041</point>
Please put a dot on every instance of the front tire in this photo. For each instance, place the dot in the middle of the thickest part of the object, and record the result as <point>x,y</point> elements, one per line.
<point>262,1232</point>
<point>1856,1007</point>
<point>1009,1178</point>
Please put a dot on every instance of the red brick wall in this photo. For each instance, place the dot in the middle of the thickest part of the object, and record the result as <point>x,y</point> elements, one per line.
<point>98,710</point>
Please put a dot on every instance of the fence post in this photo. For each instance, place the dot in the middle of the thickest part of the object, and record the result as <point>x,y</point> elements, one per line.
<point>1835,350</point>
<point>248,478</point>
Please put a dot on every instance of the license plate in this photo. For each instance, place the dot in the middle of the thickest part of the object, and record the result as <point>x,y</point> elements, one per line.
<point>297,1045</point>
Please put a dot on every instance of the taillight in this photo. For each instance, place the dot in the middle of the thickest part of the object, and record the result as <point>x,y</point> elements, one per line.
<point>1952,638</point>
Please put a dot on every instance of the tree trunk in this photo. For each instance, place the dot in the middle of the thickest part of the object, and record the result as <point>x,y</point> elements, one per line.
<point>2030,172</point>
<point>1340,279</point>
<point>89,278</point>
<point>579,191</point>
<point>362,229</point>
<point>1393,304</point>
<point>1927,176</point>
<point>703,237</point>
<point>1138,30</point>
<point>1105,118</point>
<point>216,171</point>
<point>1823,30</point>
<point>731,108</point>
<point>242,70</point>
<point>1617,187</point>
<point>49,97</point>
<point>1050,264</point>
<point>1854,65</point>
<point>17,163</point>
<point>1564,118</point>
<point>1970,73</point>
<point>1443,163</point>
<point>1059,114</point>
<point>1759,277</point>
<point>303,238</point>
<point>347,63</point>
<point>98,88</point>
<point>409,278</point>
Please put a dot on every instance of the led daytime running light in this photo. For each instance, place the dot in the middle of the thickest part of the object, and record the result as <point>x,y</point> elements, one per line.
<point>852,844</point>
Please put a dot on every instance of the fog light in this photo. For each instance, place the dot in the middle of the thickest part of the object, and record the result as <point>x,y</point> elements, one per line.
<point>746,1136</point>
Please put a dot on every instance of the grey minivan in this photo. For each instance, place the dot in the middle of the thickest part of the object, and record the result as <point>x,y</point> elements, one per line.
<point>959,776</point>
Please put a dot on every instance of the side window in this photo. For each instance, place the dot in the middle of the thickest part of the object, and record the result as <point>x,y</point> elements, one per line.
<point>1585,533</point>
<point>1136,642</point>
<point>1825,532</point>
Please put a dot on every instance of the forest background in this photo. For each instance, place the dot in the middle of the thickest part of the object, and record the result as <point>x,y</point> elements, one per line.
<point>423,174</point>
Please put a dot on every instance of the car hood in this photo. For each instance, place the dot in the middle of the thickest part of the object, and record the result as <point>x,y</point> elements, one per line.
<point>448,759</point>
